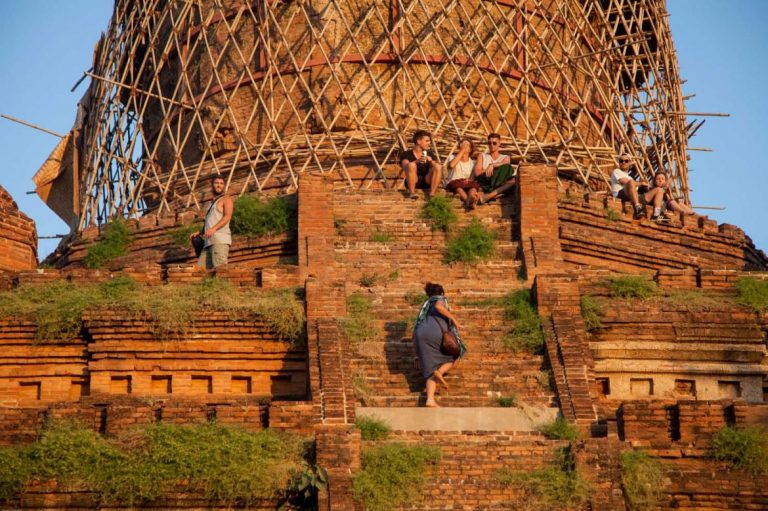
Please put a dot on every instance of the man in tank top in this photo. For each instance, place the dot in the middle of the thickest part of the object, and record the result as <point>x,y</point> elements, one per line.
<point>493,170</point>
<point>216,229</point>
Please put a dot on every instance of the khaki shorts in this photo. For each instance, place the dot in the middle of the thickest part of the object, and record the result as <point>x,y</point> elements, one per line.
<point>213,256</point>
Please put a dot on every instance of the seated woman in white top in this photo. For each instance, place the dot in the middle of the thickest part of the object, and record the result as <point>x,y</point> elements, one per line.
<point>460,179</point>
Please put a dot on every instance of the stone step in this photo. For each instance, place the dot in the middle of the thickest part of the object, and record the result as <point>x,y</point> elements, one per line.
<point>526,418</point>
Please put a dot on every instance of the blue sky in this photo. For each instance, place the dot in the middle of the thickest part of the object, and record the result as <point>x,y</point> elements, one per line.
<point>45,45</point>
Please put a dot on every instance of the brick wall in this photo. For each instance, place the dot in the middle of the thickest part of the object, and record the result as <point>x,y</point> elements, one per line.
<point>589,237</point>
<point>539,223</point>
<point>18,241</point>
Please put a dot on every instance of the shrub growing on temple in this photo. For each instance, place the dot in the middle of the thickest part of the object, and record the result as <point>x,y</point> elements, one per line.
<point>256,217</point>
<point>115,240</point>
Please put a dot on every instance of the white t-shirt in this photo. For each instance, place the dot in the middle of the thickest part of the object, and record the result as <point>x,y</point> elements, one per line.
<point>616,185</point>
<point>488,161</point>
<point>462,170</point>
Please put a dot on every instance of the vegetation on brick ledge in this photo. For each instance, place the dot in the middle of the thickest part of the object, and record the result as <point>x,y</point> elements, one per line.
<point>590,313</point>
<point>359,326</point>
<point>753,293</point>
<point>415,298</point>
<point>631,286</point>
<point>229,466</point>
<point>526,334</point>
<point>506,401</point>
<point>744,448</point>
<point>559,486</point>
<point>172,309</point>
<point>439,212</point>
<point>642,478</point>
<point>372,428</point>
<point>252,216</point>
<point>115,240</point>
<point>472,244</point>
<point>180,235</point>
<point>381,237</point>
<point>560,429</point>
<point>392,475</point>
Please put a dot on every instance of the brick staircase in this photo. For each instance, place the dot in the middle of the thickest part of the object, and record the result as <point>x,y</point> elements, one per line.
<point>388,272</point>
<point>466,477</point>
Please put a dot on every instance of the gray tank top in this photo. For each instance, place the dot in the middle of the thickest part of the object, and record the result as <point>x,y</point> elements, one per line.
<point>221,237</point>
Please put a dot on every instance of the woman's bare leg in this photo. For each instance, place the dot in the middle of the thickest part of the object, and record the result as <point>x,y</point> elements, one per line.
<point>438,374</point>
<point>473,198</point>
<point>431,386</point>
<point>462,195</point>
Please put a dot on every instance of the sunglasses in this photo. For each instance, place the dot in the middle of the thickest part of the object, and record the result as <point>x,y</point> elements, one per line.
<point>624,161</point>
<point>493,142</point>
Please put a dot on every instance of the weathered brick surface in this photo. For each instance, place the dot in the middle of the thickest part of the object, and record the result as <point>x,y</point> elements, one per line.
<point>151,244</point>
<point>465,478</point>
<point>18,238</point>
<point>411,256</point>
<point>338,443</point>
<point>558,300</point>
<point>539,223</point>
<point>662,348</point>
<point>588,237</point>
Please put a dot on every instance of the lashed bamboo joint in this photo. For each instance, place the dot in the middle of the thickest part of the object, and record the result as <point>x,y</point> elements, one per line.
<point>263,91</point>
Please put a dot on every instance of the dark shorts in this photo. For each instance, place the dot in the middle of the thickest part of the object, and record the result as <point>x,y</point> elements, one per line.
<point>422,169</point>
<point>641,190</point>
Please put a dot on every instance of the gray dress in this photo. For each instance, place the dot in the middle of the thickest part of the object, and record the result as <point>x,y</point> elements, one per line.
<point>427,337</point>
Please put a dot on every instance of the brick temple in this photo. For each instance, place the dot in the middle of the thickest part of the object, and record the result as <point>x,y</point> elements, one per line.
<point>658,374</point>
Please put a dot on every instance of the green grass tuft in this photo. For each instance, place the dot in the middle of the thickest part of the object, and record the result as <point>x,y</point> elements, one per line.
<point>229,466</point>
<point>180,235</point>
<point>753,293</point>
<point>392,475</point>
<point>58,308</point>
<point>114,243</point>
<point>642,478</point>
<point>372,428</point>
<point>360,388</point>
<point>253,217</point>
<point>694,300</point>
<point>506,401</point>
<point>590,313</point>
<point>560,429</point>
<point>744,448</point>
<point>472,244</point>
<point>612,215</point>
<point>631,286</point>
<point>359,325</point>
<point>415,298</point>
<point>556,487</point>
<point>526,333</point>
<point>381,237</point>
<point>440,213</point>
<point>14,472</point>
<point>369,279</point>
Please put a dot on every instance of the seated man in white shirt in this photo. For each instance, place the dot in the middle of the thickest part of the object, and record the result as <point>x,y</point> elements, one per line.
<point>493,170</point>
<point>627,189</point>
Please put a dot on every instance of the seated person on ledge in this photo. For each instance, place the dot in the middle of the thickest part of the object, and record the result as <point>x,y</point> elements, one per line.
<point>421,169</point>
<point>626,188</point>
<point>460,178</point>
<point>660,180</point>
<point>493,170</point>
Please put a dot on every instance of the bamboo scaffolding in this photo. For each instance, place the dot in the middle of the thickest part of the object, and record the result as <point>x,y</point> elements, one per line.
<point>260,92</point>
